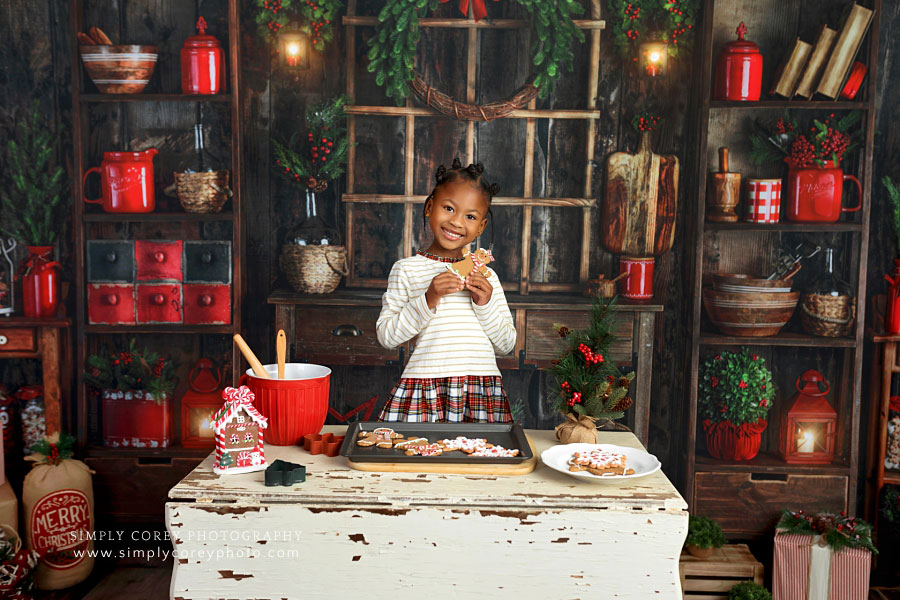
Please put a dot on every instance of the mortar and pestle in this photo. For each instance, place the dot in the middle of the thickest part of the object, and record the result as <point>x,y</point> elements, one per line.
<point>723,193</point>
<point>292,396</point>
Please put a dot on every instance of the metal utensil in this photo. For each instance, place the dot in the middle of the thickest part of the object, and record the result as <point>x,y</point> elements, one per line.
<point>787,261</point>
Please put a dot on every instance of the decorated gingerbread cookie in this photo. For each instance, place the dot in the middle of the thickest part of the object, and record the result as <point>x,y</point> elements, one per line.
<point>383,437</point>
<point>464,444</point>
<point>420,447</point>
<point>472,262</point>
<point>495,452</point>
<point>600,462</point>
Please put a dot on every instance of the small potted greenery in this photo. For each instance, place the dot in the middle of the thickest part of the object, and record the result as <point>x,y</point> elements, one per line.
<point>704,536</point>
<point>748,590</point>
<point>735,393</point>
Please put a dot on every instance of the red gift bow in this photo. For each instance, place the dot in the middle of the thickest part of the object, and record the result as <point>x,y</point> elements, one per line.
<point>241,395</point>
<point>478,8</point>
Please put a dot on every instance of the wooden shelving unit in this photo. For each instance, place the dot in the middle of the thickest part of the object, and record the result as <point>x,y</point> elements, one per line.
<point>116,467</point>
<point>766,485</point>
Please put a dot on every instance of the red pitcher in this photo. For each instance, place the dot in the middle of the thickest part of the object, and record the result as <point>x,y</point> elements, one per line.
<point>814,193</point>
<point>40,283</point>
<point>127,182</point>
<point>892,308</point>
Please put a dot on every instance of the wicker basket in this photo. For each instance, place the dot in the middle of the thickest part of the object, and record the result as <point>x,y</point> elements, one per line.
<point>314,269</point>
<point>830,316</point>
<point>204,192</point>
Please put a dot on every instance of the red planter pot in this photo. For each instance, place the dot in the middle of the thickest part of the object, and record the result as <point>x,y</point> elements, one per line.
<point>728,442</point>
<point>135,420</point>
<point>40,283</point>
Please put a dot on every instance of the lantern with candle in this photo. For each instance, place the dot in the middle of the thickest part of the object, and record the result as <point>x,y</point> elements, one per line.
<point>808,428</point>
<point>654,59</point>
<point>200,404</point>
<point>294,48</point>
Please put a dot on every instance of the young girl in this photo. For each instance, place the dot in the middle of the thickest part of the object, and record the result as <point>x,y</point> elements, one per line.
<point>452,375</point>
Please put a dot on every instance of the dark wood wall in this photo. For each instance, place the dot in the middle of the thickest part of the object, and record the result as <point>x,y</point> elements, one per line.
<point>35,46</point>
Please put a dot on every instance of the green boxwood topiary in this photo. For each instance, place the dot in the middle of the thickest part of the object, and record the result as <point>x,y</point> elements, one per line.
<point>748,590</point>
<point>704,532</point>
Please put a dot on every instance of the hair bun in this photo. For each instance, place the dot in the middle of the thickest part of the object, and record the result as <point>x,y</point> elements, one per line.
<point>439,174</point>
<point>477,167</point>
<point>456,163</point>
<point>494,189</point>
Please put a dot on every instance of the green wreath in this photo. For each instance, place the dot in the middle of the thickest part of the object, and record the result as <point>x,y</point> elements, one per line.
<point>316,18</point>
<point>634,22</point>
<point>392,52</point>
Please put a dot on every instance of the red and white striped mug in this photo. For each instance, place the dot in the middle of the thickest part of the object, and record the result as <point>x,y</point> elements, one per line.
<point>763,201</point>
<point>637,285</point>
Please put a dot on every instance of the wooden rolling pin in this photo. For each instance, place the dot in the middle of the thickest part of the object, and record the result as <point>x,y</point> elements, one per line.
<point>251,358</point>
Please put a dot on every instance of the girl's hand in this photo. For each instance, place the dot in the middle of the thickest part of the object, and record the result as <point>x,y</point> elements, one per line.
<point>480,287</point>
<point>441,285</point>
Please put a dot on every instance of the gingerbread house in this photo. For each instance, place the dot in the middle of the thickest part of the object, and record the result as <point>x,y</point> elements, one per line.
<point>239,433</point>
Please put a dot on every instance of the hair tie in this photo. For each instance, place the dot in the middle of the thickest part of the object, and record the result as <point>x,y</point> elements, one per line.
<point>478,167</point>
<point>456,163</point>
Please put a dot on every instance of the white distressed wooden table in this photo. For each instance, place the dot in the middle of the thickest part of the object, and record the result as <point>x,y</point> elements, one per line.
<point>405,535</point>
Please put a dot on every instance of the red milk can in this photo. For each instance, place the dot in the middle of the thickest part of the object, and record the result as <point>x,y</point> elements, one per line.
<point>40,283</point>
<point>202,59</point>
<point>739,70</point>
<point>127,182</point>
<point>814,194</point>
<point>892,308</point>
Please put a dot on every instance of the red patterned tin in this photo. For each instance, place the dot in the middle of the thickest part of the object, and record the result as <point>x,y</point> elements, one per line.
<point>763,201</point>
<point>637,285</point>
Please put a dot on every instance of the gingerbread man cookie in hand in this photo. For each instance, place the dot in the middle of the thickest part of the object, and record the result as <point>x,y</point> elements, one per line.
<point>472,262</point>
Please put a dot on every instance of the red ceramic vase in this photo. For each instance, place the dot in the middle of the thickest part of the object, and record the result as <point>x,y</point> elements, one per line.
<point>892,308</point>
<point>726,441</point>
<point>637,285</point>
<point>40,283</point>
<point>814,193</point>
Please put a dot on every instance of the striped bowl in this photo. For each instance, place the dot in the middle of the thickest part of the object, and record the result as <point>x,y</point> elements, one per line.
<point>120,69</point>
<point>740,283</point>
<point>749,315</point>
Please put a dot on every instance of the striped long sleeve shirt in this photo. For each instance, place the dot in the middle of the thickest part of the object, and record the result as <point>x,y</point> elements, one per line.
<point>457,338</point>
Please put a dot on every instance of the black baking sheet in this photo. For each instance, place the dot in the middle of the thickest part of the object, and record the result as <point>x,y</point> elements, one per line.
<point>509,436</point>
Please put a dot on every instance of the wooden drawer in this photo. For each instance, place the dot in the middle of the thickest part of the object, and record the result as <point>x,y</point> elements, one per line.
<point>17,339</point>
<point>110,261</point>
<point>158,260</point>
<point>159,303</point>
<point>340,336</point>
<point>136,488</point>
<point>207,262</point>
<point>751,503</point>
<point>542,342</point>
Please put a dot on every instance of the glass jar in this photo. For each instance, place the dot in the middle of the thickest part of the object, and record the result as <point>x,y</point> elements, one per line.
<point>312,231</point>
<point>829,284</point>
<point>31,411</point>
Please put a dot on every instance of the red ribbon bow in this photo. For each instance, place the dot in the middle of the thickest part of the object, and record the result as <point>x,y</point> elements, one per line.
<point>478,8</point>
<point>241,395</point>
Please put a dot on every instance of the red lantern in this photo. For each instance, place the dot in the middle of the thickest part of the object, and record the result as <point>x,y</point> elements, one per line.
<point>200,404</point>
<point>808,429</point>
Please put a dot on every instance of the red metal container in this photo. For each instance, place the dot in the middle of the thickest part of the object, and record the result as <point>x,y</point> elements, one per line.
<point>135,420</point>
<point>739,70</point>
<point>202,60</point>
<point>126,179</point>
<point>111,303</point>
<point>637,285</point>
<point>40,283</point>
<point>200,404</point>
<point>892,309</point>
<point>814,194</point>
<point>296,405</point>
<point>763,200</point>
<point>159,303</point>
<point>854,81</point>
<point>157,260</point>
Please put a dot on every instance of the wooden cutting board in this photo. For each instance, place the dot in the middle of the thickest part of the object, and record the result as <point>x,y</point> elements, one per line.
<point>638,215</point>
<point>522,468</point>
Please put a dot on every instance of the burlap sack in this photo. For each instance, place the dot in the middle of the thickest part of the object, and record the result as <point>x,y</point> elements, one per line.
<point>59,520</point>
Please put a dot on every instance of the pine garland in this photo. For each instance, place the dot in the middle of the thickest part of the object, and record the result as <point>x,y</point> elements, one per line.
<point>33,195</point>
<point>316,18</point>
<point>894,195</point>
<point>318,156</point>
<point>839,531</point>
<point>392,49</point>
<point>589,384</point>
<point>634,22</point>
<point>132,369</point>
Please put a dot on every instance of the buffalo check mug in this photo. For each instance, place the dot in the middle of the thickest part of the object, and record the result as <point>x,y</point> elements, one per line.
<point>763,201</point>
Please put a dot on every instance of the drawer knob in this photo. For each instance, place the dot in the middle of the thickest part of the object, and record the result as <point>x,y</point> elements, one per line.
<point>206,300</point>
<point>112,299</point>
<point>206,257</point>
<point>158,299</point>
<point>111,256</point>
<point>3,340</point>
<point>159,256</point>
<point>351,330</point>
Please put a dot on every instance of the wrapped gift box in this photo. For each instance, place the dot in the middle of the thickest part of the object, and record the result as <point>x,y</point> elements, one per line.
<point>806,570</point>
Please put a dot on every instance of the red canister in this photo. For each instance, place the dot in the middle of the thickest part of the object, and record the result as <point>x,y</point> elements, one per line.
<point>637,285</point>
<point>739,70</point>
<point>202,61</point>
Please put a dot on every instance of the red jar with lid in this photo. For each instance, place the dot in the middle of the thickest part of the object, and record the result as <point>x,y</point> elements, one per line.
<point>202,63</point>
<point>739,70</point>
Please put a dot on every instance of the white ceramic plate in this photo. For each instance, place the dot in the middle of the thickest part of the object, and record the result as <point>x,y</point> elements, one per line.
<point>557,458</point>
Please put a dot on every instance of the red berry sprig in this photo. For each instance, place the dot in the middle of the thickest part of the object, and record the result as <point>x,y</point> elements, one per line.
<point>589,357</point>
<point>645,121</point>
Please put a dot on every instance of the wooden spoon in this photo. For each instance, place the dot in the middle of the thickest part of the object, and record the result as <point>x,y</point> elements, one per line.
<point>281,350</point>
<point>251,358</point>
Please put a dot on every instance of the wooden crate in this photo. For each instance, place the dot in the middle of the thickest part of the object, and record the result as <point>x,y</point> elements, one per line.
<point>711,578</point>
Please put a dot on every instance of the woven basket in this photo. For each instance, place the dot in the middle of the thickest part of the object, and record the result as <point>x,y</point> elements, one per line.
<point>314,269</point>
<point>830,316</point>
<point>204,192</point>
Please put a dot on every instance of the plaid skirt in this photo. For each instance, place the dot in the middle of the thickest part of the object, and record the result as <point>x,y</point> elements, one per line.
<point>462,399</point>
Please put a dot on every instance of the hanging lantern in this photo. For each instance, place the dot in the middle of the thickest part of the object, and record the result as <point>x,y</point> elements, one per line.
<point>294,48</point>
<point>7,271</point>
<point>654,59</point>
<point>200,404</point>
<point>808,429</point>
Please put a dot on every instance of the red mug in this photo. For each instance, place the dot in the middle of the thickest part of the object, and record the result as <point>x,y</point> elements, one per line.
<point>127,182</point>
<point>814,194</point>
<point>637,285</point>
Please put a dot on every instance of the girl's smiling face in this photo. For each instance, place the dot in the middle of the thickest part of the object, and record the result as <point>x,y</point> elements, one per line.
<point>457,213</point>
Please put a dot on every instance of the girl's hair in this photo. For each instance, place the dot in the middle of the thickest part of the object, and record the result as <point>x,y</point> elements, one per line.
<point>473,174</point>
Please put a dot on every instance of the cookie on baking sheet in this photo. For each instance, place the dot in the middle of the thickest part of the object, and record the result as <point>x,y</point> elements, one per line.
<point>463,444</point>
<point>419,447</point>
<point>491,451</point>
<point>383,437</point>
<point>600,462</point>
